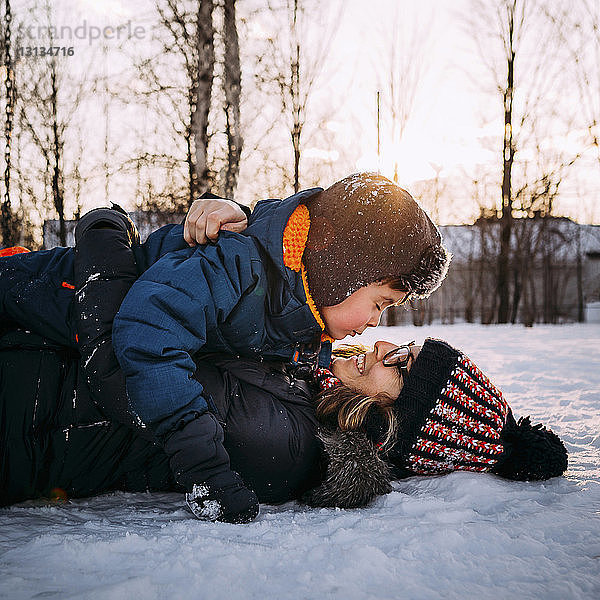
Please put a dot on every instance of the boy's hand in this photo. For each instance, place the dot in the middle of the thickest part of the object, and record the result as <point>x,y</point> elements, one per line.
<point>207,217</point>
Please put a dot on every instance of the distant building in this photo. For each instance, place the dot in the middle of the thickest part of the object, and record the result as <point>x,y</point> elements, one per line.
<point>555,273</point>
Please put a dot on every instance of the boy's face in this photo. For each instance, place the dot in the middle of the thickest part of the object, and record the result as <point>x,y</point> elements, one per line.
<point>360,310</point>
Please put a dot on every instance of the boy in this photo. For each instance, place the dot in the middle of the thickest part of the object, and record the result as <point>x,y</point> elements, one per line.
<point>321,264</point>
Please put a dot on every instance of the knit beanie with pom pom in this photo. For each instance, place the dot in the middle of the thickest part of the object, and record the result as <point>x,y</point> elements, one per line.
<point>452,417</point>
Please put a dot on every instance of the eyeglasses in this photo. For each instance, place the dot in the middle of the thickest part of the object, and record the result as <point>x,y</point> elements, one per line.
<point>399,357</point>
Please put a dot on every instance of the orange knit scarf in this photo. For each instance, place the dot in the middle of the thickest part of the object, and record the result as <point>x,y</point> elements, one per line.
<point>295,235</point>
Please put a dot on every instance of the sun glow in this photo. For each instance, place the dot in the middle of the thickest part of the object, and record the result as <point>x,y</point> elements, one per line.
<point>418,158</point>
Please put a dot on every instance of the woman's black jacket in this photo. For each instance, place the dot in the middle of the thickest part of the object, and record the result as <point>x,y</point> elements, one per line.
<point>54,437</point>
<point>66,422</point>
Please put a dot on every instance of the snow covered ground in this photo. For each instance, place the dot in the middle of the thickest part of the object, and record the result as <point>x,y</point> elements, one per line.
<point>458,536</point>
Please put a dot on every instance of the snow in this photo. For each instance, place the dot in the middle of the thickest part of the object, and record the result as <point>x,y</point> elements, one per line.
<point>202,507</point>
<point>464,535</point>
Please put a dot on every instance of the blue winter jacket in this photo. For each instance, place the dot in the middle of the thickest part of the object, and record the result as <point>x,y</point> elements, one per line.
<point>234,296</point>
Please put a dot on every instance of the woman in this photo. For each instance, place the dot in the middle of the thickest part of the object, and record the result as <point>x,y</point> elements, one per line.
<point>56,441</point>
<point>445,415</point>
<point>397,411</point>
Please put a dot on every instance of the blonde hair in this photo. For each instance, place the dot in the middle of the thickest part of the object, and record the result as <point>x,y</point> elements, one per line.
<point>349,409</point>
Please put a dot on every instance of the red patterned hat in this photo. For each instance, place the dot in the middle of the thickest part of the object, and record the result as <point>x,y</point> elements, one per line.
<point>452,417</point>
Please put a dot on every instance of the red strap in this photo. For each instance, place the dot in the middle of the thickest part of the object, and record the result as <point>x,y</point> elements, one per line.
<point>13,250</point>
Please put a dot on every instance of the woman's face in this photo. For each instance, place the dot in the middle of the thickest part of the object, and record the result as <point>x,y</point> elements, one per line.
<point>366,373</point>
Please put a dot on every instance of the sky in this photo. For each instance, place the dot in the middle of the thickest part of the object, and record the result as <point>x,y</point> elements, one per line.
<point>447,133</point>
<point>442,122</point>
<point>454,115</point>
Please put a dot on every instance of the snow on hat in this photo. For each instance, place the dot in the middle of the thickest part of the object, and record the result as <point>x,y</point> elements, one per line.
<point>365,228</point>
<point>452,417</point>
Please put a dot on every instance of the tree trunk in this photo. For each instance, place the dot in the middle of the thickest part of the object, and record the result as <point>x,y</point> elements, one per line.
<point>548,290</point>
<point>58,197</point>
<point>233,86</point>
<point>191,166</point>
<point>202,93</point>
<point>528,313</point>
<point>507,163</point>
<point>469,311</point>
<point>296,105</point>
<point>418,312</point>
<point>480,277</point>
<point>297,127</point>
<point>533,295</point>
<point>470,287</point>
<point>517,281</point>
<point>391,319</point>
<point>580,311</point>
<point>7,218</point>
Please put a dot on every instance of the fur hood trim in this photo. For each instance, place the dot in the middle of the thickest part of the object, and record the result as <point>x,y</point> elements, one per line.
<point>355,472</point>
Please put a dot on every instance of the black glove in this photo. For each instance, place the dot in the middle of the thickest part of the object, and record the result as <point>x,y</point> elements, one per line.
<point>200,464</point>
<point>223,498</point>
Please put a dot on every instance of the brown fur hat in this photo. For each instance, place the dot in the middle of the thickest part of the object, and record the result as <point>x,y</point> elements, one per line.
<point>365,228</point>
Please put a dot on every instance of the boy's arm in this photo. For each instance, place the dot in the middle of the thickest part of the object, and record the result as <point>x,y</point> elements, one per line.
<point>206,218</point>
<point>163,321</point>
<point>166,318</point>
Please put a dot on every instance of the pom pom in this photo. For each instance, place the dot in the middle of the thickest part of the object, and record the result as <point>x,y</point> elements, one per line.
<point>429,272</point>
<point>531,452</point>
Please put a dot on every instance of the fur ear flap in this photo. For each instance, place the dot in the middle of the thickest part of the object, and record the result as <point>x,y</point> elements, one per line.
<point>355,472</point>
<point>531,452</point>
<point>430,271</point>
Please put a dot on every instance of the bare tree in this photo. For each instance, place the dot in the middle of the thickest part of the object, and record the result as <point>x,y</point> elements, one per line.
<point>527,79</point>
<point>292,62</point>
<point>201,78</point>
<point>187,45</point>
<point>191,91</point>
<point>232,84</point>
<point>50,98</point>
<point>7,216</point>
<point>292,96</point>
<point>48,110</point>
<point>578,26</point>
